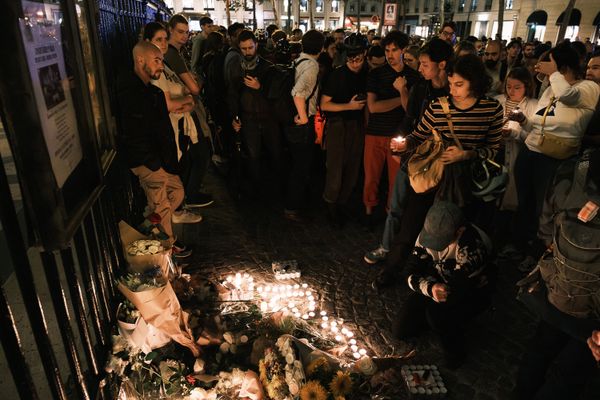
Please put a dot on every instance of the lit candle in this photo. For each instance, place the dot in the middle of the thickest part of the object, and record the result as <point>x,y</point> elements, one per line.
<point>296,286</point>
<point>304,285</point>
<point>325,318</point>
<point>344,330</point>
<point>334,329</point>
<point>308,293</point>
<point>324,325</point>
<point>338,338</point>
<point>311,314</point>
<point>356,355</point>
<point>305,316</point>
<point>352,341</point>
<point>259,289</point>
<point>354,347</point>
<point>362,352</point>
<point>323,313</point>
<point>349,334</point>
<point>333,323</point>
<point>263,306</point>
<point>297,314</point>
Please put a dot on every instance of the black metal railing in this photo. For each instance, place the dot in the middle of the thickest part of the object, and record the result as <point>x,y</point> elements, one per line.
<point>78,318</point>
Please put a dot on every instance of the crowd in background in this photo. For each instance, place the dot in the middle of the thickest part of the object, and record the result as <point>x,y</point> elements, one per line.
<point>515,126</point>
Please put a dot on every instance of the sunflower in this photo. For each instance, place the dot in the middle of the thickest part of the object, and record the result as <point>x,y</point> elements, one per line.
<point>262,368</point>
<point>341,384</point>
<point>313,391</point>
<point>317,367</point>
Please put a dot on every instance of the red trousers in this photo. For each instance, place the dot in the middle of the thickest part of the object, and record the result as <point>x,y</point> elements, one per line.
<point>377,152</point>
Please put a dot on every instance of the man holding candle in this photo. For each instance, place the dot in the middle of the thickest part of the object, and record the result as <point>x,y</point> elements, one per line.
<point>433,57</point>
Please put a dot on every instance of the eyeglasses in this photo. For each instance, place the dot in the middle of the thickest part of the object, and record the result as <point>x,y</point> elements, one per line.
<point>447,33</point>
<point>355,60</point>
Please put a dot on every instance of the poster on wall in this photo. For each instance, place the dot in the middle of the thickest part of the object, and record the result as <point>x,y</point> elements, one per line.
<point>40,30</point>
<point>389,17</point>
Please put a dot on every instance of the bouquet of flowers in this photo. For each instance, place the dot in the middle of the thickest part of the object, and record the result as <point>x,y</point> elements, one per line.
<point>158,305</point>
<point>144,247</point>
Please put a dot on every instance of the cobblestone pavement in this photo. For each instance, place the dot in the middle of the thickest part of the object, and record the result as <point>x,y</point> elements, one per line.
<point>237,236</point>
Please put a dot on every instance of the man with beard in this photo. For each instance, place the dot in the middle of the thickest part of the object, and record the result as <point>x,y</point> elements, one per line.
<point>494,67</point>
<point>255,124</point>
<point>340,55</point>
<point>148,140</point>
<point>529,58</point>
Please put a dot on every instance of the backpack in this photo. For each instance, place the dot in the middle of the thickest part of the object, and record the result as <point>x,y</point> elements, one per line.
<point>279,92</point>
<point>572,271</point>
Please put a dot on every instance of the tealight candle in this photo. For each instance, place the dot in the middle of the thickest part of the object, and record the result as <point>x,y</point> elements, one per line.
<point>295,310</point>
<point>338,338</point>
<point>263,306</point>
<point>311,314</point>
<point>354,347</point>
<point>304,285</point>
<point>323,313</point>
<point>333,323</point>
<point>352,341</point>
<point>362,352</point>
<point>259,289</point>
<point>325,318</point>
<point>334,329</point>
<point>324,325</point>
<point>349,334</point>
<point>305,316</point>
<point>296,286</point>
<point>356,355</point>
<point>297,314</point>
<point>344,330</point>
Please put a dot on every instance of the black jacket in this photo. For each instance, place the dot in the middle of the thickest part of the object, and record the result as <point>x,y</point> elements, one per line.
<point>146,135</point>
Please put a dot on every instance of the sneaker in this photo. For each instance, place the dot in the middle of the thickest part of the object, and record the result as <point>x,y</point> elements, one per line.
<point>527,264</point>
<point>199,200</point>
<point>185,217</point>
<point>375,256</point>
<point>180,250</point>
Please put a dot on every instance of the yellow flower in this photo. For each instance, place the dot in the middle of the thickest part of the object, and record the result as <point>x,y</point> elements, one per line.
<point>317,366</point>
<point>341,384</point>
<point>263,372</point>
<point>313,391</point>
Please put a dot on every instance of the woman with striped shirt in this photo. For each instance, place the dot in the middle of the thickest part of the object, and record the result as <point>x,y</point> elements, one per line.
<point>477,124</point>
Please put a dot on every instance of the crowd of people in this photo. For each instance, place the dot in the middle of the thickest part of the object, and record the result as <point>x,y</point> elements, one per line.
<point>477,151</point>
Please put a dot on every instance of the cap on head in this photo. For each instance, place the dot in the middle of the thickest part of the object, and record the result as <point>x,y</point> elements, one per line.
<point>441,224</point>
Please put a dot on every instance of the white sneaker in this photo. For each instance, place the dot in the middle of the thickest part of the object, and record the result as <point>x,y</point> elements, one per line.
<point>185,217</point>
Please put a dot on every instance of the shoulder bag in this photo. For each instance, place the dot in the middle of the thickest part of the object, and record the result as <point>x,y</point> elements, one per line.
<point>425,169</point>
<point>556,146</point>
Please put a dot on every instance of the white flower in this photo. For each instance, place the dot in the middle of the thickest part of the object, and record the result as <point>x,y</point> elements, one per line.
<point>199,365</point>
<point>294,387</point>
<point>228,336</point>
<point>202,394</point>
<point>224,347</point>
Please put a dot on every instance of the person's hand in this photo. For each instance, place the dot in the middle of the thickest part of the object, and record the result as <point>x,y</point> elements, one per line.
<point>594,344</point>
<point>237,125</point>
<point>440,292</point>
<point>517,115</point>
<point>453,154</point>
<point>546,67</point>
<point>355,104</point>
<point>252,82</point>
<point>399,83</point>
<point>300,121</point>
<point>398,145</point>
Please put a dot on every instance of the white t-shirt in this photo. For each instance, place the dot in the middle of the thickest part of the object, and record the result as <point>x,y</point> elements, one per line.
<point>571,114</point>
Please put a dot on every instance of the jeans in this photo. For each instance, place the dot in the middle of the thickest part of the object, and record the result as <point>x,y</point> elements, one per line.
<point>345,142</point>
<point>534,173</point>
<point>297,184</point>
<point>255,134</point>
<point>397,205</point>
<point>194,165</point>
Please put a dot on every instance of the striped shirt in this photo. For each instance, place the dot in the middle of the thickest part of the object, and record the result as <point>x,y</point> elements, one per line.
<point>478,127</point>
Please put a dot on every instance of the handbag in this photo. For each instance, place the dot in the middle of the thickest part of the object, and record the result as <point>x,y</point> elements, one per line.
<point>556,146</point>
<point>425,169</point>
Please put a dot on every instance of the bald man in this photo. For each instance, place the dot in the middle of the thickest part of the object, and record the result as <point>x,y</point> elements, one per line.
<point>495,68</point>
<point>148,140</point>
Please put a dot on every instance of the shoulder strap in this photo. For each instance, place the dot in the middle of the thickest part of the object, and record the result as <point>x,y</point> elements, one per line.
<point>553,101</point>
<point>446,109</point>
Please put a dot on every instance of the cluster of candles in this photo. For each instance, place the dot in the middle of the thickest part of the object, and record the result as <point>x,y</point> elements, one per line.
<point>297,299</point>
<point>241,286</point>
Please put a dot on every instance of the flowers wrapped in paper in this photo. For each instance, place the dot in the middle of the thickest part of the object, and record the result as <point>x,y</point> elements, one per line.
<point>149,254</point>
<point>159,307</point>
<point>137,331</point>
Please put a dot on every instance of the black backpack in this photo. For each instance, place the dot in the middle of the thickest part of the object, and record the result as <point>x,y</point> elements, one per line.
<point>279,93</point>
